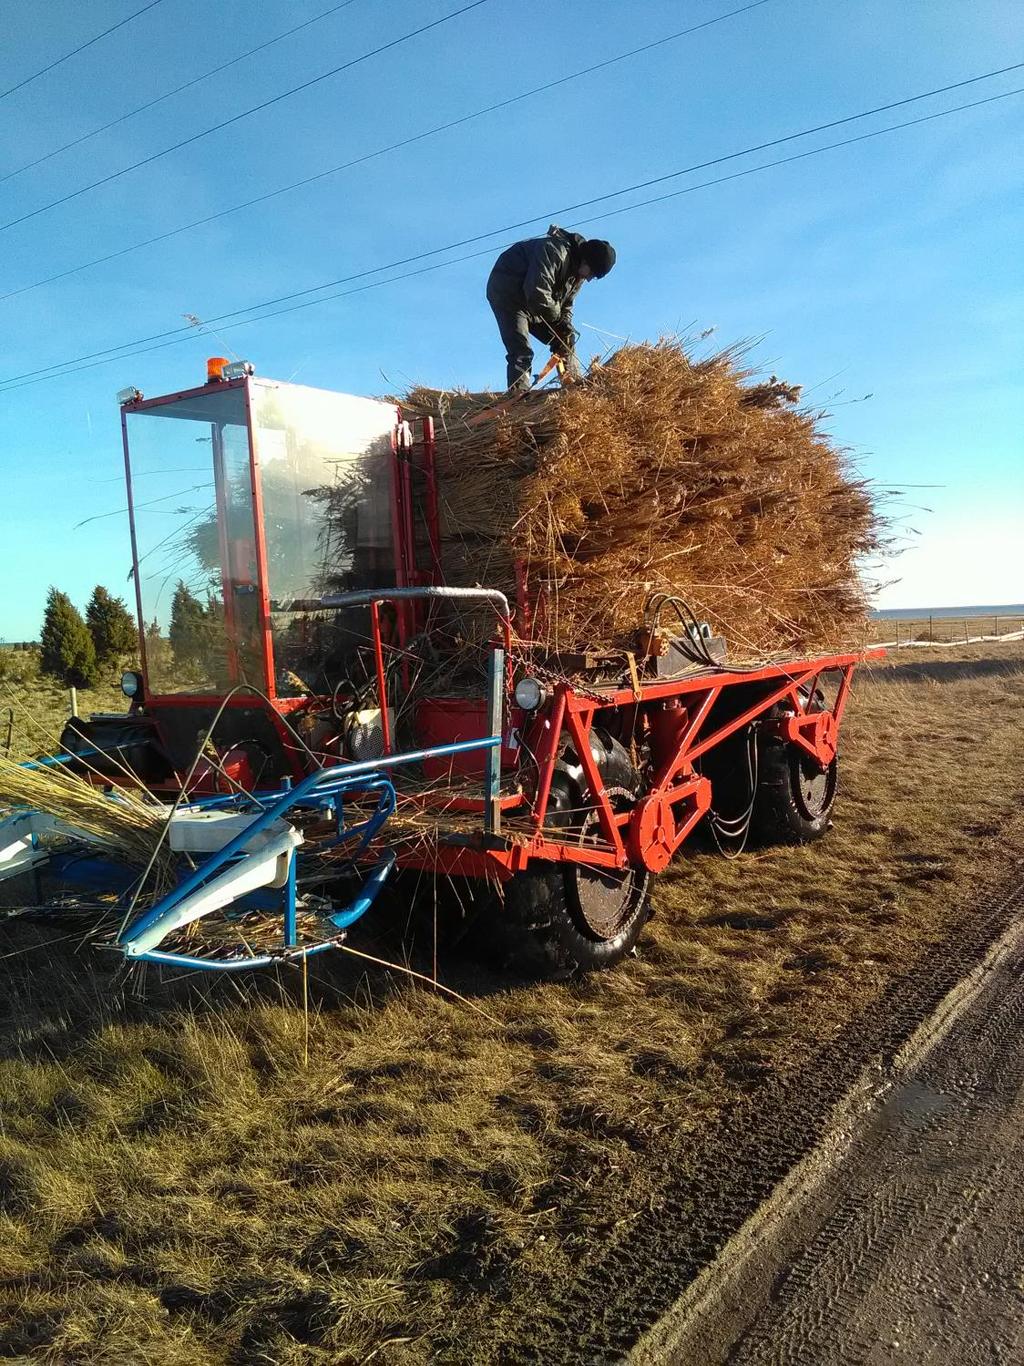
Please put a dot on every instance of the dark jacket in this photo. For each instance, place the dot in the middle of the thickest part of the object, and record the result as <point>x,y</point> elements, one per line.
<point>539,276</point>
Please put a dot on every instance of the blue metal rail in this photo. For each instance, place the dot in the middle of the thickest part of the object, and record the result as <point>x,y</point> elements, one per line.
<point>324,788</point>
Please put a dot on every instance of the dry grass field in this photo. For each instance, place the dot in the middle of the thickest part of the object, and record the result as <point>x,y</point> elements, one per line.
<point>196,1173</point>
<point>33,707</point>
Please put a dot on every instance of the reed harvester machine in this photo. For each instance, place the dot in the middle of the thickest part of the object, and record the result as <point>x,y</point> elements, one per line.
<point>317,709</point>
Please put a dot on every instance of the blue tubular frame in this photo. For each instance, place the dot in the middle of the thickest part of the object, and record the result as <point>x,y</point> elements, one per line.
<point>324,787</point>
<point>263,960</point>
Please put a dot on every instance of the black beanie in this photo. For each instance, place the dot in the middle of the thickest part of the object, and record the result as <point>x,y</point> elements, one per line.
<point>599,256</point>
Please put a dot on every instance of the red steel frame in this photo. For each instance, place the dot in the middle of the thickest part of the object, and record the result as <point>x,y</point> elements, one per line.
<point>677,795</point>
<point>403,518</point>
<point>433,518</point>
<point>280,706</point>
<point>672,713</point>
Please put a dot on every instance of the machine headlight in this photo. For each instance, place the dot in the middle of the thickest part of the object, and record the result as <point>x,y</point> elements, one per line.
<point>131,684</point>
<point>530,693</point>
<point>364,733</point>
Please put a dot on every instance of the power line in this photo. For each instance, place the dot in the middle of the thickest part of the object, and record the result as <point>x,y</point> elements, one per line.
<point>593,218</point>
<point>486,251</point>
<point>565,209</point>
<point>802,156</point>
<point>75,51</point>
<point>196,80</point>
<point>451,246</point>
<point>246,113</point>
<point>382,151</point>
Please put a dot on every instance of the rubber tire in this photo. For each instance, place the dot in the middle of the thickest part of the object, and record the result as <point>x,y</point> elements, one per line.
<point>779,815</point>
<point>536,930</point>
<point>541,935</point>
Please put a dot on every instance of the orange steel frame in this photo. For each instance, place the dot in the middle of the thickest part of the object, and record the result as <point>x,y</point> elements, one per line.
<point>677,796</point>
<point>674,712</point>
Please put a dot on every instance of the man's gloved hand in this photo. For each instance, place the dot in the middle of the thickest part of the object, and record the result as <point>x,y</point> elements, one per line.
<point>569,366</point>
<point>563,346</point>
<point>563,342</point>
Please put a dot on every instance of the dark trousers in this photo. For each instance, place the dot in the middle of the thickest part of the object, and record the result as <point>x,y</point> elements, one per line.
<point>516,328</point>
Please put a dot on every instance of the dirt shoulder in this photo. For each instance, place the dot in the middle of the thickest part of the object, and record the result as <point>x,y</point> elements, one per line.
<point>907,1247</point>
<point>205,1176</point>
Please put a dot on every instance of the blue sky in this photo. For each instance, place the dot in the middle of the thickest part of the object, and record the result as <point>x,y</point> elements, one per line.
<point>892,267</point>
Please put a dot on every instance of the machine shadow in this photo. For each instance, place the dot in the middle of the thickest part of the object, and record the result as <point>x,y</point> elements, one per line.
<point>58,987</point>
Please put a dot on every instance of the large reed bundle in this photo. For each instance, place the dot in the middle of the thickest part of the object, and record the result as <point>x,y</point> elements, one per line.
<point>659,473</point>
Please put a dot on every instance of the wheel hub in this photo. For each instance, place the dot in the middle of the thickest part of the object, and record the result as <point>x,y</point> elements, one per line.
<point>604,898</point>
<point>813,787</point>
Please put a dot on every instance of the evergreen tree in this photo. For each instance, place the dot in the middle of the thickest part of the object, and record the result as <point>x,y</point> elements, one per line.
<point>111,627</point>
<point>67,651</point>
<point>158,657</point>
<point>187,632</point>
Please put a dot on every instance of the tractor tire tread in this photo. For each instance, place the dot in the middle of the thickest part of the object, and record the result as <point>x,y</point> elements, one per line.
<point>540,935</point>
<point>777,819</point>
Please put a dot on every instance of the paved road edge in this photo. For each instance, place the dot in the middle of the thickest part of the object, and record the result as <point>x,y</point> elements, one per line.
<point>730,1291</point>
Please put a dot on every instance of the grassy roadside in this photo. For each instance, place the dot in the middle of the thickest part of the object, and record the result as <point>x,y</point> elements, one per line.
<point>201,1175</point>
<point>34,707</point>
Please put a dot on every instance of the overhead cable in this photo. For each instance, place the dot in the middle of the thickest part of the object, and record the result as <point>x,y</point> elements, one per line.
<point>237,118</point>
<point>128,348</point>
<point>81,48</point>
<point>486,251</point>
<point>381,151</point>
<point>169,94</point>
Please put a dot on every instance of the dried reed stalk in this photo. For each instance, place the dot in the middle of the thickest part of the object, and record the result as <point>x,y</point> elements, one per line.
<point>129,825</point>
<point>660,474</point>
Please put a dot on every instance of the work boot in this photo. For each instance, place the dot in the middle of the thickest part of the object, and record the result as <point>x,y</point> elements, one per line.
<point>520,385</point>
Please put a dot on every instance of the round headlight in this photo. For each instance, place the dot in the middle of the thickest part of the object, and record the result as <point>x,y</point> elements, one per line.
<point>530,694</point>
<point>131,683</point>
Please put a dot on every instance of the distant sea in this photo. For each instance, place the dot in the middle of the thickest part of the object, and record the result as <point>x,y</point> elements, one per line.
<point>1011,609</point>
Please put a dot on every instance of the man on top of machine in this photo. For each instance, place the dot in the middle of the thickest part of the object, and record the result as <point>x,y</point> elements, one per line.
<point>531,289</point>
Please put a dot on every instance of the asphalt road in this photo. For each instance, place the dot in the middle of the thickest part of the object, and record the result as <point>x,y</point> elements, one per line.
<point>918,1258</point>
